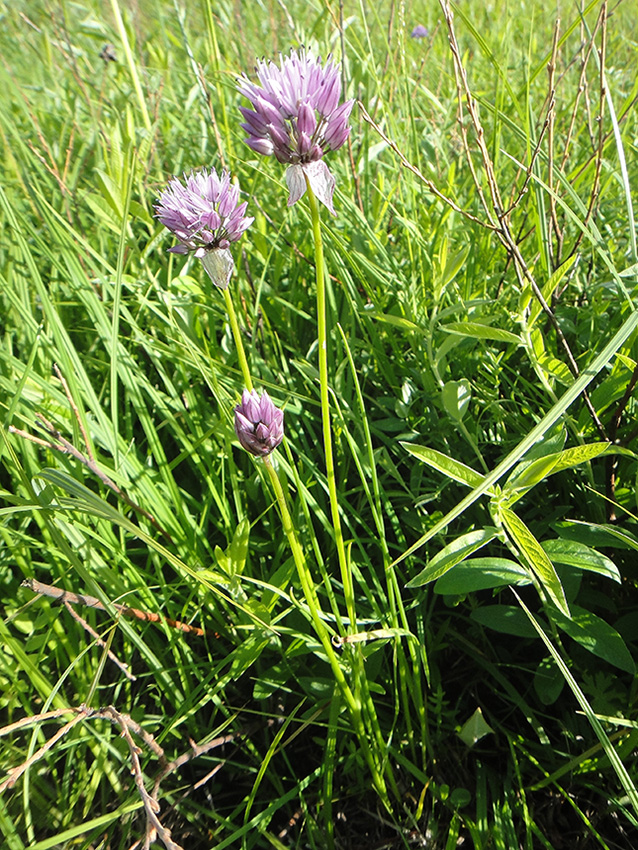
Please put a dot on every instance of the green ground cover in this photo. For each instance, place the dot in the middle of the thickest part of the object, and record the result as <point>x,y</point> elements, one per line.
<point>438,650</point>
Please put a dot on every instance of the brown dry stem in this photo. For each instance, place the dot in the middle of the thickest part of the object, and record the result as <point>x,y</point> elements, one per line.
<point>65,596</point>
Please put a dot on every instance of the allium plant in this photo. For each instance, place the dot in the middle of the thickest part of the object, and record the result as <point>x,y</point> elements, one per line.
<point>296,116</point>
<point>205,215</point>
<point>259,423</point>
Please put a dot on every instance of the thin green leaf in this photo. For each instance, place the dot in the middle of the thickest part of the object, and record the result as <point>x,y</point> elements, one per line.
<point>452,554</point>
<point>536,557</point>
<point>475,330</point>
<point>453,469</point>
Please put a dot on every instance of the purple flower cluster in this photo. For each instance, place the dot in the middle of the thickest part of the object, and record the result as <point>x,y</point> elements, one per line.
<point>296,116</point>
<point>419,32</point>
<point>259,423</point>
<point>205,215</point>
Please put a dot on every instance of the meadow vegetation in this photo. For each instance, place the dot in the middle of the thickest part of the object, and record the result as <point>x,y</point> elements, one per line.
<point>446,657</point>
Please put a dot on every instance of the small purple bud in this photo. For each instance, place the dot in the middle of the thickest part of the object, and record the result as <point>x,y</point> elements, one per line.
<point>419,32</point>
<point>259,423</point>
<point>306,119</point>
<point>262,146</point>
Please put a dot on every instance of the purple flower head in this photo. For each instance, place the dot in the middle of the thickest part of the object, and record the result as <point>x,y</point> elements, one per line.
<point>419,32</point>
<point>204,214</point>
<point>296,116</point>
<point>259,424</point>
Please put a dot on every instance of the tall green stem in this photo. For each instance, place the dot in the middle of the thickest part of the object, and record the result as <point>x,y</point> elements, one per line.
<point>130,61</point>
<point>239,345</point>
<point>346,576</point>
<point>354,704</point>
<point>322,333</point>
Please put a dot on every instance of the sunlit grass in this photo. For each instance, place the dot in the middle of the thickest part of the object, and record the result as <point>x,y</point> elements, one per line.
<point>461,433</point>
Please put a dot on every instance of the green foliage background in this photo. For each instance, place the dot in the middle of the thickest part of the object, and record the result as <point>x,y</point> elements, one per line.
<point>438,351</point>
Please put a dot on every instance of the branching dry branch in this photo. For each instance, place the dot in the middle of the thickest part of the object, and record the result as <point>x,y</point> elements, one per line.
<point>128,727</point>
<point>494,209</point>
<point>431,186</point>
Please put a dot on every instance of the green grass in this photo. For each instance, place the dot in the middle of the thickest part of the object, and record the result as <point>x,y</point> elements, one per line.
<point>490,531</point>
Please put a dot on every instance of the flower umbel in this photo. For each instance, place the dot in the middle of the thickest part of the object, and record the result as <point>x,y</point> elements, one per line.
<point>204,214</point>
<point>296,116</point>
<point>419,32</point>
<point>259,423</point>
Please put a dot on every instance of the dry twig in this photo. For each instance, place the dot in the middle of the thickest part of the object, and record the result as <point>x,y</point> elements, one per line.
<point>90,601</point>
<point>98,640</point>
<point>431,186</point>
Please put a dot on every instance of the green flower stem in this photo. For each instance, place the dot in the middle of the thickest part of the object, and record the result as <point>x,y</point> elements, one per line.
<point>234,325</point>
<point>354,705</point>
<point>346,575</point>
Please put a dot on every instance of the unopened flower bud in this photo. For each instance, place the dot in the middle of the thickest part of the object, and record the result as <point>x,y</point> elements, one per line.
<point>259,423</point>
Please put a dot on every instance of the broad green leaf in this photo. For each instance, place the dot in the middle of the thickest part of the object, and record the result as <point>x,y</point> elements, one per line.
<point>582,557</point>
<point>594,535</point>
<point>507,619</point>
<point>452,267</point>
<point>272,680</point>
<point>456,397</point>
<point>579,454</point>
<point>452,554</point>
<point>481,574</point>
<point>536,557</point>
<point>474,729</point>
<point>552,443</point>
<point>238,549</point>
<point>596,636</point>
<point>630,271</point>
<point>555,368</point>
<point>452,468</point>
<point>548,287</point>
<point>527,475</point>
<point>245,655</point>
<point>548,681</point>
<point>533,436</point>
<point>475,330</point>
<point>223,561</point>
<point>396,321</point>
